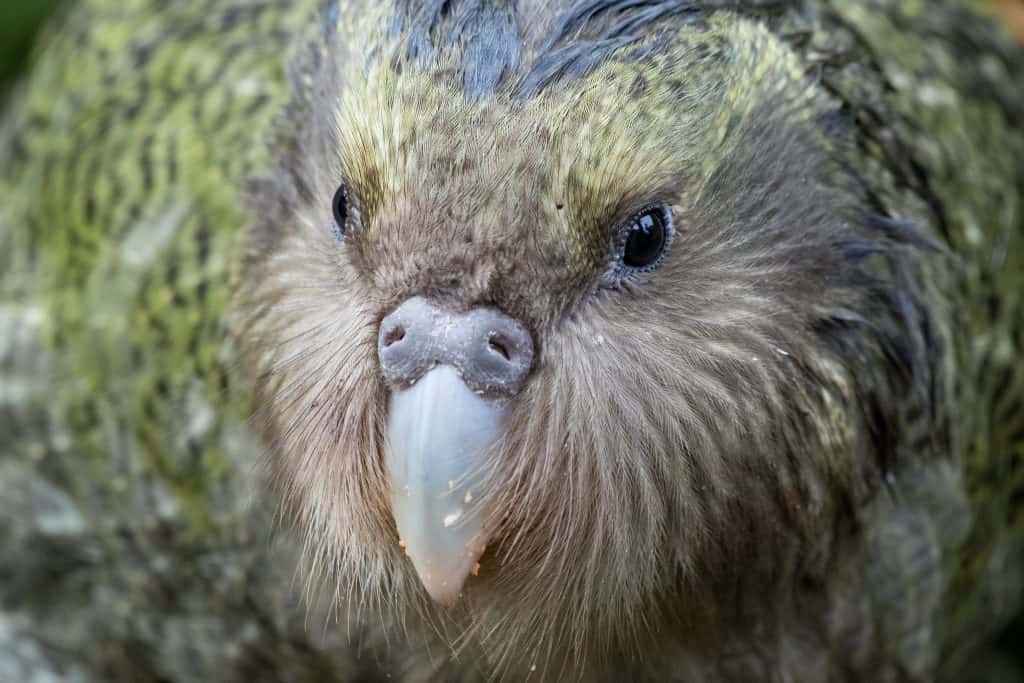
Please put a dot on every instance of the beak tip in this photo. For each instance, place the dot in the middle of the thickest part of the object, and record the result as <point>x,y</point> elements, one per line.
<point>445,584</point>
<point>444,597</point>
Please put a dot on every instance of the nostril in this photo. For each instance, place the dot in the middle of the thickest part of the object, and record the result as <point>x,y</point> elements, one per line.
<point>492,352</point>
<point>498,344</point>
<point>392,336</point>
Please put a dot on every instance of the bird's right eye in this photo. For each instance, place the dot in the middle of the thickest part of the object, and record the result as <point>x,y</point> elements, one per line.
<point>339,205</point>
<point>647,239</point>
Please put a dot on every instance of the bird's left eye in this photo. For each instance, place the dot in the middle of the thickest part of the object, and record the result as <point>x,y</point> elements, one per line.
<point>646,239</point>
<point>339,205</point>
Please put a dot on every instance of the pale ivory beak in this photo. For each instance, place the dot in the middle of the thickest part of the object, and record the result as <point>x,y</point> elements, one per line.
<point>439,433</point>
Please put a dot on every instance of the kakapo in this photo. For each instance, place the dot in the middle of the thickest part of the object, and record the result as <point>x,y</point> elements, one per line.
<point>583,339</point>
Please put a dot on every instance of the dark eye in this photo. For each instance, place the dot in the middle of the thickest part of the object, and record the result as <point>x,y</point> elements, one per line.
<point>340,207</point>
<point>647,239</point>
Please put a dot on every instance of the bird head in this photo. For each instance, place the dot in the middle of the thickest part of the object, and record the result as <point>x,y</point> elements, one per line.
<point>556,353</point>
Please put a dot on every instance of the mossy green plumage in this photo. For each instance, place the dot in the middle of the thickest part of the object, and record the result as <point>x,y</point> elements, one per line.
<point>123,157</point>
<point>134,540</point>
<point>945,138</point>
<point>132,264</point>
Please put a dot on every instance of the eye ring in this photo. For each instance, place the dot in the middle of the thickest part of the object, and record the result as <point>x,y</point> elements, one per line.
<point>340,209</point>
<point>645,239</point>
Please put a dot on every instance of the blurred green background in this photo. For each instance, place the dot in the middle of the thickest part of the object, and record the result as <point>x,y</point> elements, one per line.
<point>19,21</point>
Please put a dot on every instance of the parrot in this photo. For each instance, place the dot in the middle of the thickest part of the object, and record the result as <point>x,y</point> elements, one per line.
<point>536,340</point>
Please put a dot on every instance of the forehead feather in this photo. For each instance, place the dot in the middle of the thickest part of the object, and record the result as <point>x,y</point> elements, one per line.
<point>644,126</point>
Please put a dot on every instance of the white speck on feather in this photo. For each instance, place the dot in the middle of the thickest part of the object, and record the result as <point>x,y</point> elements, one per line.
<point>452,517</point>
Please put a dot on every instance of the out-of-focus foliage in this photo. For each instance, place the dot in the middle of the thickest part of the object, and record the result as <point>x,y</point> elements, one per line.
<point>19,21</point>
<point>1012,12</point>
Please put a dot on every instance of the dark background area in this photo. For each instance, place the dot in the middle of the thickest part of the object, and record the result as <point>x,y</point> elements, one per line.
<point>21,20</point>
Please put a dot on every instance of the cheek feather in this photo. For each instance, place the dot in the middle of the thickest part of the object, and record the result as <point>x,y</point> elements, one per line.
<point>320,400</point>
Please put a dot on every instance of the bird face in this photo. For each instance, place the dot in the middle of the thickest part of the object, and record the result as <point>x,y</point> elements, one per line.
<point>556,359</point>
